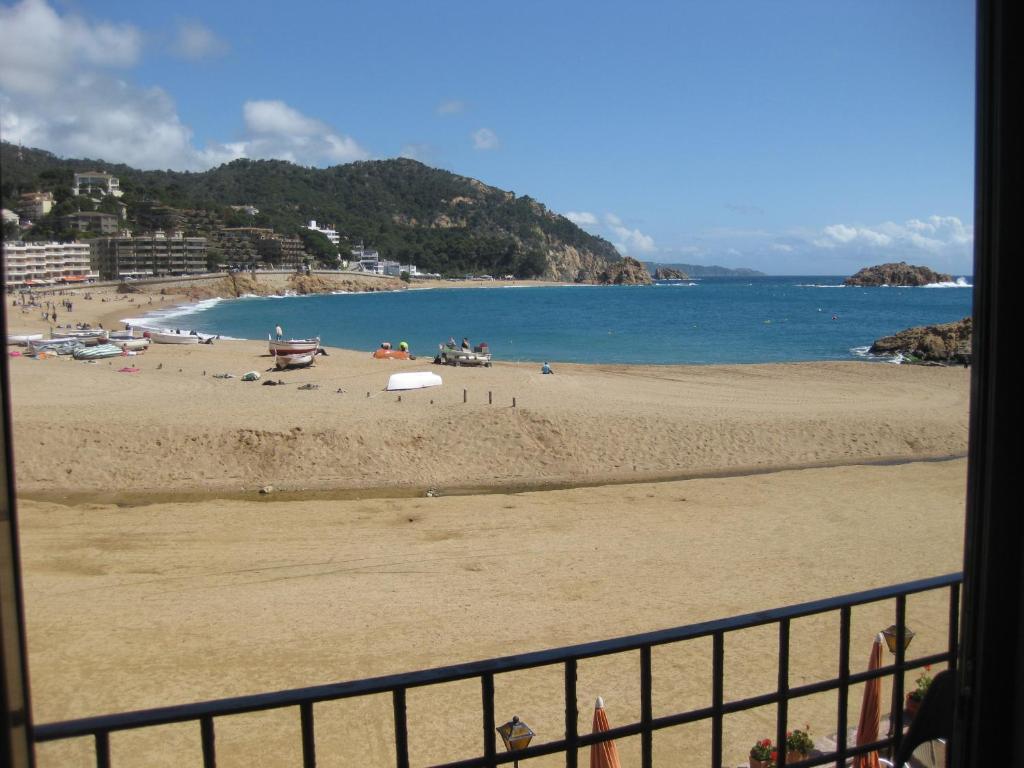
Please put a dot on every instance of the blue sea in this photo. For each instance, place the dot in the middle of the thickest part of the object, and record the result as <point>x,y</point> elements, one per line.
<point>699,321</point>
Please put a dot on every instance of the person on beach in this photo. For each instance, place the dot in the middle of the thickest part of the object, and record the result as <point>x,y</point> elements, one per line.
<point>546,368</point>
<point>403,346</point>
<point>278,332</point>
<point>465,342</point>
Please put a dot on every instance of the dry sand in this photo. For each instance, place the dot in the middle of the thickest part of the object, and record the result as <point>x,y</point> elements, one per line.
<point>155,574</point>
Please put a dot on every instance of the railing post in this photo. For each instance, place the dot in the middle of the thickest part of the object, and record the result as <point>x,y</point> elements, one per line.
<point>487,702</point>
<point>842,714</point>
<point>646,735</point>
<point>401,729</point>
<point>782,715</point>
<point>102,749</point>
<point>209,742</point>
<point>896,713</point>
<point>308,735</point>
<point>717,696</point>
<point>571,715</point>
<point>954,623</point>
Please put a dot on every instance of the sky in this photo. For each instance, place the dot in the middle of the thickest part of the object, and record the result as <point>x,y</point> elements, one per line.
<point>788,136</point>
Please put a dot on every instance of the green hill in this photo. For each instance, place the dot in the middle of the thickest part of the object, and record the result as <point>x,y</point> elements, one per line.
<point>408,211</point>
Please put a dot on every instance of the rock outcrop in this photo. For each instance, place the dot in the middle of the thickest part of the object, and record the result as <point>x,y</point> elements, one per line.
<point>668,273</point>
<point>629,271</point>
<point>946,343</point>
<point>897,274</point>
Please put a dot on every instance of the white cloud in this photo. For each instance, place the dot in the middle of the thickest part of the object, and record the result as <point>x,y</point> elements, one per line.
<point>581,218</point>
<point>629,241</point>
<point>58,92</point>
<point>935,234</point>
<point>39,49</point>
<point>195,41</point>
<point>450,107</point>
<point>485,138</point>
<point>781,248</point>
<point>277,130</point>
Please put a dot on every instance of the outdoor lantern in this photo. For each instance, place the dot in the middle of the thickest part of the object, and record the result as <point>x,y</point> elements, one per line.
<point>890,638</point>
<point>516,734</point>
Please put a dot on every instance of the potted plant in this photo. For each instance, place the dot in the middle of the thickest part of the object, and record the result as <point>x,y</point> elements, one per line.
<point>763,754</point>
<point>798,744</point>
<point>914,698</point>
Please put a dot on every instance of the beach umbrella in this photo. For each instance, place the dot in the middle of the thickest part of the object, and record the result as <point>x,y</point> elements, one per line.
<point>603,754</point>
<point>870,709</point>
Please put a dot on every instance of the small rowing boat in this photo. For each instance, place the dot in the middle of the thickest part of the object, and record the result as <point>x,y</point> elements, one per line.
<point>293,346</point>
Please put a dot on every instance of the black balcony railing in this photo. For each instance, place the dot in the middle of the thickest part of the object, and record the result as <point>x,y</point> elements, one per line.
<point>304,699</point>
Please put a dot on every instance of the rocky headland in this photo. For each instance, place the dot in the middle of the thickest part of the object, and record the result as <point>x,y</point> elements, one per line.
<point>946,343</point>
<point>901,274</point>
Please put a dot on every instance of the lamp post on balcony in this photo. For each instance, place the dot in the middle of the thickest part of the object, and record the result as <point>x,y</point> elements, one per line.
<point>516,734</point>
<point>891,636</point>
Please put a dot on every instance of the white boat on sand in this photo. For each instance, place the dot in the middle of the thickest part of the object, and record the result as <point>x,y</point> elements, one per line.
<point>300,360</point>
<point>23,339</point>
<point>172,337</point>
<point>293,346</point>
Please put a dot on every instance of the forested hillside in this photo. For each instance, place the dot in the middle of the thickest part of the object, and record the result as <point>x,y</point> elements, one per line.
<point>406,210</point>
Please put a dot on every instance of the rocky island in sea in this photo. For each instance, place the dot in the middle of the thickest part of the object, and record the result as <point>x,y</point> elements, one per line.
<point>945,343</point>
<point>901,274</point>
<point>670,273</point>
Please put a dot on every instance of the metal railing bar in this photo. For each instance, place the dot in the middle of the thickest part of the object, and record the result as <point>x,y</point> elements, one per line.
<point>388,683</point>
<point>646,713</point>
<point>571,715</point>
<point>401,729</point>
<point>308,735</point>
<point>209,742</point>
<point>782,710</point>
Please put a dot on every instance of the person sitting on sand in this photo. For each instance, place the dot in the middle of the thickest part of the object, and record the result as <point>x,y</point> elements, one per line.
<point>546,368</point>
<point>385,345</point>
<point>403,346</point>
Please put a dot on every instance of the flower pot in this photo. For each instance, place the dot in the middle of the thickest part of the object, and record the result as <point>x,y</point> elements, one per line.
<point>795,757</point>
<point>755,763</point>
<point>912,705</point>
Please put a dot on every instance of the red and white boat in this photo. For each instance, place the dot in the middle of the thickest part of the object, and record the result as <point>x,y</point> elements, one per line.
<point>293,346</point>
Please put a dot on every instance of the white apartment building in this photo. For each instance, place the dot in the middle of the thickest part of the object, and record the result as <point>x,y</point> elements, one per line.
<point>47,264</point>
<point>96,181</point>
<point>329,232</point>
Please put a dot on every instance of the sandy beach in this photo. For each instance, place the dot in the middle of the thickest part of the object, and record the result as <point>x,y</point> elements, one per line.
<point>608,500</point>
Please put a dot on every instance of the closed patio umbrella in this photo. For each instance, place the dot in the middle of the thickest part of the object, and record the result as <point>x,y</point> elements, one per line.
<point>870,709</point>
<point>603,754</point>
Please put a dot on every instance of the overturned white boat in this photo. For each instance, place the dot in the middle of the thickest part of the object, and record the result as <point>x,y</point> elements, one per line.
<point>98,352</point>
<point>300,360</point>
<point>413,380</point>
<point>23,339</point>
<point>172,337</point>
